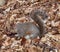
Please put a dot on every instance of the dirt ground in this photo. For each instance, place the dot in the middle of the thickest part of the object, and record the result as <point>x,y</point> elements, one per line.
<point>14,11</point>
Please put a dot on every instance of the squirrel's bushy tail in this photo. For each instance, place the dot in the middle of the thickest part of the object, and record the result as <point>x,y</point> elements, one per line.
<point>35,16</point>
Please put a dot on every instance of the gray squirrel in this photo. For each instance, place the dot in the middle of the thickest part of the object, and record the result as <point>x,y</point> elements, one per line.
<point>29,30</point>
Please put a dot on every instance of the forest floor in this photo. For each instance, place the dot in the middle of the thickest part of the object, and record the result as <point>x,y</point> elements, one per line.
<point>14,11</point>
